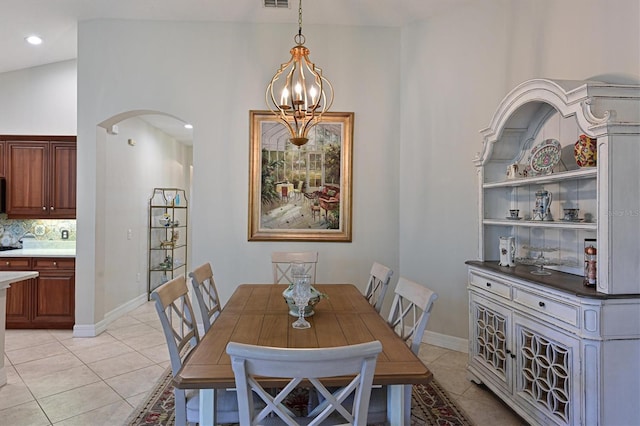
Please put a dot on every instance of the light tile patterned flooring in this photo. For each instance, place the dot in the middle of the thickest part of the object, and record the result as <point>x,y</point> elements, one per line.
<point>55,379</point>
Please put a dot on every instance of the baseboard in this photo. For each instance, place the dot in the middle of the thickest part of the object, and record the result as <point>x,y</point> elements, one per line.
<point>93,330</point>
<point>88,330</point>
<point>446,341</point>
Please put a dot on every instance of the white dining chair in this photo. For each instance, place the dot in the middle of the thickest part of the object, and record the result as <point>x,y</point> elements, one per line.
<point>410,311</point>
<point>282,261</point>
<point>204,288</point>
<point>377,285</point>
<point>310,366</point>
<point>178,323</point>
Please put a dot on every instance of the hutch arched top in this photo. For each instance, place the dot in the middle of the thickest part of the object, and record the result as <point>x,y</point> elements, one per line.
<point>598,108</point>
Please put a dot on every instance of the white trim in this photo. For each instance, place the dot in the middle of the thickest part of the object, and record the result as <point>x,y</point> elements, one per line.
<point>85,330</point>
<point>92,330</point>
<point>445,341</point>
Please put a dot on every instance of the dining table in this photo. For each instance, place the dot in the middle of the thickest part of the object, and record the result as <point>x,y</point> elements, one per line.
<point>258,314</point>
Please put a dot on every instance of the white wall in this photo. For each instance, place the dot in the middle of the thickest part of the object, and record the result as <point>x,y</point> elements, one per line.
<point>42,100</point>
<point>39,100</point>
<point>131,173</point>
<point>211,75</point>
<point>415,194</point>
<point>456,68</point>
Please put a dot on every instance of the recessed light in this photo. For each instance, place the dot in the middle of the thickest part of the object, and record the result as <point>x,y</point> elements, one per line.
<point>34,39</point>
<point>188,126</point>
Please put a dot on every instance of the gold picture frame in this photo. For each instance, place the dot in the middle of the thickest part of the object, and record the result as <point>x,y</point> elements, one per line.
<point>300,193</point>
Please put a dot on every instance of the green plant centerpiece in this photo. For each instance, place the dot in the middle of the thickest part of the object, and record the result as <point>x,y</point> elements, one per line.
<point>316,296</point>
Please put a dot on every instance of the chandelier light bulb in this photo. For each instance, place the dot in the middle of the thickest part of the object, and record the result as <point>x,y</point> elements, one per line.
<point>285,98</point>
<point>298,92</point>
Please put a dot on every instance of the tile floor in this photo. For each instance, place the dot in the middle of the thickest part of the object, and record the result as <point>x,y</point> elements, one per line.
<point>55,379</point>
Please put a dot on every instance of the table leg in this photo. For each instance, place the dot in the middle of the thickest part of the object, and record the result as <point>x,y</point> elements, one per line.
<point>399,405</point>
<point>207,404</point>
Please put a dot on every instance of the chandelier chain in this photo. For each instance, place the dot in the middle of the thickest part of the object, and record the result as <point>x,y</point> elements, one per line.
<point>300,18</point>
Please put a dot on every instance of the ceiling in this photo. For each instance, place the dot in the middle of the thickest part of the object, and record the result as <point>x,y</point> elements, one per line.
<point>56,21</point>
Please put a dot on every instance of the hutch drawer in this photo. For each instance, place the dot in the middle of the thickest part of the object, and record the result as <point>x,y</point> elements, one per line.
<point>490,284</point>
<point>547,306</point>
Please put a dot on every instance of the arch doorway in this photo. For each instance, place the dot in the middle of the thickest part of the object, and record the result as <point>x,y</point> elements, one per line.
<point>142,150</point>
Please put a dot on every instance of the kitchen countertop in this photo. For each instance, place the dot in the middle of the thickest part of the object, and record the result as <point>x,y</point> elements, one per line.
<point>39,252</point>
<point>9,277</point>
<point>35,248</point>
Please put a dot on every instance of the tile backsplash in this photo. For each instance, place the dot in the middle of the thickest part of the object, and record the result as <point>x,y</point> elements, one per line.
<point>12,230</point>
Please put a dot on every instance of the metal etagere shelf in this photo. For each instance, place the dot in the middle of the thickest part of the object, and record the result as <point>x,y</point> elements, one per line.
<point>168,224</point>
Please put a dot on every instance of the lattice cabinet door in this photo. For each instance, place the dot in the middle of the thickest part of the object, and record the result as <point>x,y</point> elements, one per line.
<point>490,341</point>
<point>547,371</point>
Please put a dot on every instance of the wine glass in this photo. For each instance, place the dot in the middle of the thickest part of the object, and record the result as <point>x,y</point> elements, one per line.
<point>301,295</point>
<point>296,269</point>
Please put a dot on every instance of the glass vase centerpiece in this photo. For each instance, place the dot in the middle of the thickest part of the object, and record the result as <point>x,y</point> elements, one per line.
<point>297,272</point>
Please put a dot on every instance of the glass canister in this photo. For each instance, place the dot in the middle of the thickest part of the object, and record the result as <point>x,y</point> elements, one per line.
<point>590,260</point>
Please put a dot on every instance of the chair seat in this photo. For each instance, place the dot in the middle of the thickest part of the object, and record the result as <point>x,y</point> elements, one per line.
<point>227,406</point>
<point>377,412</point>
<point>378,405</point>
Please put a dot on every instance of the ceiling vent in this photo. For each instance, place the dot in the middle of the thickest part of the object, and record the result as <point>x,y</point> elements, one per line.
<point>280,4</point>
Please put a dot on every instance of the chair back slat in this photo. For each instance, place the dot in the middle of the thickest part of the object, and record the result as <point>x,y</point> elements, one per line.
<point>282,264</point>
<point>378,284</point>
<point>311,365</point>
<point>415,301</point>
<point>177,319</point>
<point>204,288</point>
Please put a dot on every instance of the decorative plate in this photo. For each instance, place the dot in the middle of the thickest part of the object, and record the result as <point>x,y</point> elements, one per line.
<point>544,156</point>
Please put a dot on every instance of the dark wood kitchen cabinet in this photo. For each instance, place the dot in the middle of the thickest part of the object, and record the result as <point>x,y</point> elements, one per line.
<point>53,301</point>
<point>41,177</point>
<point>19,294</point>
<point>46,302</point>
<point>2,158</point>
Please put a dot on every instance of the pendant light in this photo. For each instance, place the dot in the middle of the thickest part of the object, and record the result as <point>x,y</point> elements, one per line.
<point>298,93</point>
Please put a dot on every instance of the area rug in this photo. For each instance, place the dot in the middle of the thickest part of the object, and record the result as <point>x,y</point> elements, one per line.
<point>430,405</point>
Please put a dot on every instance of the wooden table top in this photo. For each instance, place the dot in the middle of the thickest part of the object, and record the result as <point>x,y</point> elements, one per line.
<point>257,314</point>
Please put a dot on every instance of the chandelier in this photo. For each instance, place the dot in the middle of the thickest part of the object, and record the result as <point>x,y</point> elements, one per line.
<point>298,93</point>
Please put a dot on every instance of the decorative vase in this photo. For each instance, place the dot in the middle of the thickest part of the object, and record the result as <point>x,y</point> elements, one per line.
<point>308,310</point>
<point>585,151</point>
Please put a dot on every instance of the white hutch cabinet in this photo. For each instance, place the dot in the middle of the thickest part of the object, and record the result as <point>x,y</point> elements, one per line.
<point>557,351</point>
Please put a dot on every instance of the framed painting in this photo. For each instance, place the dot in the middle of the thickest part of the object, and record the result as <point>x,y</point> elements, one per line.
<point>300,193</point>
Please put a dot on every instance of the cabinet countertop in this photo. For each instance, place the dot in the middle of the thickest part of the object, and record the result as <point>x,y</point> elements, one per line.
<point>567,283</point>
<point>10,277</point>
<point>39,252</point>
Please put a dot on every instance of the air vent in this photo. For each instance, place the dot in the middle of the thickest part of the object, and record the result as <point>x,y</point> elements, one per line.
<point>277,3</point>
